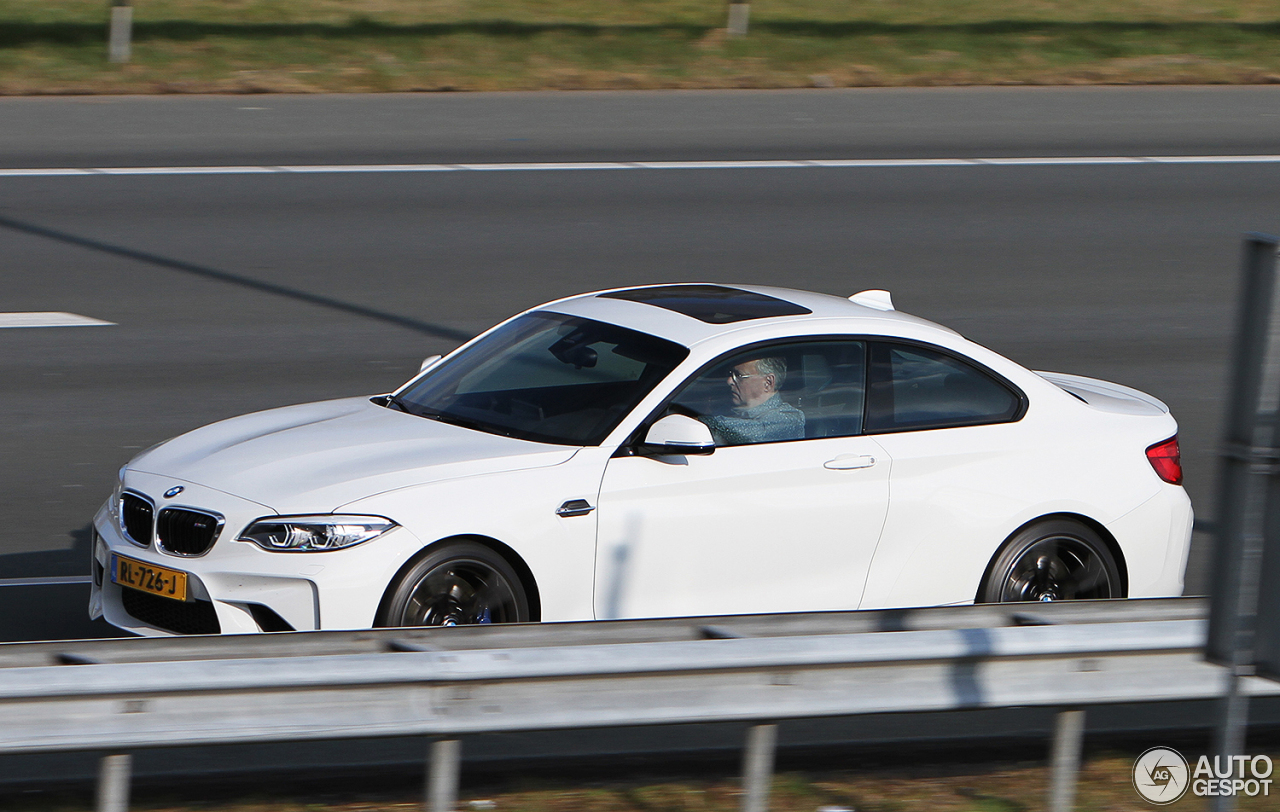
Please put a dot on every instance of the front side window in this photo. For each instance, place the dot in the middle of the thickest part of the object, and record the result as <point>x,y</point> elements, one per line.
<point>545,377</point>
<point>913,387</point>
<point>791,391</point>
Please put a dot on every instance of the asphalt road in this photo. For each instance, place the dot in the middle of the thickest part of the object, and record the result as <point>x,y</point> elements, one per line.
<point>637,125</point>
<point>231,293</point>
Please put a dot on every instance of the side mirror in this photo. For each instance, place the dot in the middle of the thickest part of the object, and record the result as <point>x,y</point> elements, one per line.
<point>429,361</point>
<point>678,434</point>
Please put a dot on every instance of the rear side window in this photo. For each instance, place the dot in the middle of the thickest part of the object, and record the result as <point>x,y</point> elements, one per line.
<point>914,387</point>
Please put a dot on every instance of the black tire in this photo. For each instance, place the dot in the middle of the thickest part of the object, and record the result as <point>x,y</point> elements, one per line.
<point>458,583</point>
<point>1057,559</point>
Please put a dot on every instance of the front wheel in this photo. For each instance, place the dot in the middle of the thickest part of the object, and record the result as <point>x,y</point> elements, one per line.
<point>1053,560</point>
<point>458,583</point>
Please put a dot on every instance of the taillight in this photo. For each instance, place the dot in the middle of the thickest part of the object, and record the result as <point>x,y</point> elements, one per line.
<point>1167,460</point>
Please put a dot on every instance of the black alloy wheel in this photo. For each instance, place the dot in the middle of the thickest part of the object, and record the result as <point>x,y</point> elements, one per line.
<point>1053,561</point>
<point>457,584</point>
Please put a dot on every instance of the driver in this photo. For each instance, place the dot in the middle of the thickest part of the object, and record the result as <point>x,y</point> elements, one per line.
<point>759,414</point>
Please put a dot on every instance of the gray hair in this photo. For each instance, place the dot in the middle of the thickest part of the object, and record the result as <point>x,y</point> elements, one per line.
<point>775,366</point>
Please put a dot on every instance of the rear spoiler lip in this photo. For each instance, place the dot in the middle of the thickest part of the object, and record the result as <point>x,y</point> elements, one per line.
<point>1082,387</point>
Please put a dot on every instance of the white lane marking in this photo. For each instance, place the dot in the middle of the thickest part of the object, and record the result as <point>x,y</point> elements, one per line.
<point>55,580</point>
<point>185,170</point>
<point>716,164</point>
<point>540,167</point>
<point>14,173</point>
<point>339,168</point>
<point>50,320</point>
<point>870,163</point>
<point>893,162</point>
<point>1217,159</point>
<point>1119,159</point>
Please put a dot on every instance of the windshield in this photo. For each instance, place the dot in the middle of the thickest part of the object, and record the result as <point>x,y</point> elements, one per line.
<point>545,377</point>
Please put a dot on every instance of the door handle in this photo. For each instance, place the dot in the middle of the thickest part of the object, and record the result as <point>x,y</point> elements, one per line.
<point>849,462</point>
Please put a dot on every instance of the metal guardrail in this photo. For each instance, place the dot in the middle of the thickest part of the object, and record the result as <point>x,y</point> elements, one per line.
<point>456,692</point>
<point>449,682</point>
<point>595,632</point>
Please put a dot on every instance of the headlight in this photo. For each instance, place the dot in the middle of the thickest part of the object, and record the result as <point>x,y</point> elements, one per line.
<point>313,534</point>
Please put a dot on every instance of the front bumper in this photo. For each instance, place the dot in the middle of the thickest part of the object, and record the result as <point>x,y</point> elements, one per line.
<point>237,587</point>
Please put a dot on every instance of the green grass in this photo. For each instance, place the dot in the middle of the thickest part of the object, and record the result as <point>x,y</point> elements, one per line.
<point>58,46</point>
<point>1104,786</point>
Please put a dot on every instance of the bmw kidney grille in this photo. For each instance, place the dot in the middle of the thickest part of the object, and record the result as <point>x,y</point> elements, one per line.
<point>136,516</point>
<point>187,532</point>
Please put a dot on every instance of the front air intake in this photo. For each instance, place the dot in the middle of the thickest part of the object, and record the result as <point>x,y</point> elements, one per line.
<point>187,532</point>
<point>179,617</point>
<point>136,516</point>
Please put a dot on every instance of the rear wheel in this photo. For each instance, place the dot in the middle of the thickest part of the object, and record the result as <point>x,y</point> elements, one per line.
<point>458,583</point>
<point>1053,560</point>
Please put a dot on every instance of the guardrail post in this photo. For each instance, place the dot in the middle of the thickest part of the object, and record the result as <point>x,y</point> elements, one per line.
<point>443,768</point>
<point>113,783</point>
<point>1068,741</point>
<point>1247,497</point>
<point>120,33</point>
<point>757,767</point>
<point>739,13</point>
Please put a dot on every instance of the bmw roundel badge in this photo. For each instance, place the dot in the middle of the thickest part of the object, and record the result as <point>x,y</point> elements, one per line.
<point>174,491</point>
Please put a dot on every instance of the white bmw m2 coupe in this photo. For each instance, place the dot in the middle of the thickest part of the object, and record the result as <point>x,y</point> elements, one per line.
<point>657,451</point>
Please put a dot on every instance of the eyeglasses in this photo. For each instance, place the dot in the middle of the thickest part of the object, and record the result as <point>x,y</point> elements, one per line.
<point>738,376</point>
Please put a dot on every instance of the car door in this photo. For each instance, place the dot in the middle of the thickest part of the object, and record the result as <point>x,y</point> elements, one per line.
<point>778,518</point>
<point>962,460</point>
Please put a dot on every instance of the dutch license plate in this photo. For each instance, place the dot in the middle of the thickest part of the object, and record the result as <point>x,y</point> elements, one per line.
<point>144,577</point>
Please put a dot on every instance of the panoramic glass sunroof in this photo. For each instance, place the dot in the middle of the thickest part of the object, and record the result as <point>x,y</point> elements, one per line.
<point>711,303</point>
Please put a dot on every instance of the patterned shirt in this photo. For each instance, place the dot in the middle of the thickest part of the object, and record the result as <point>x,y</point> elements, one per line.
<point>775,419</point>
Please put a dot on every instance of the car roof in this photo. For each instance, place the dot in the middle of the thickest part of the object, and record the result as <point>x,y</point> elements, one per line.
<point>689,313</point>
<point>713,304</point>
